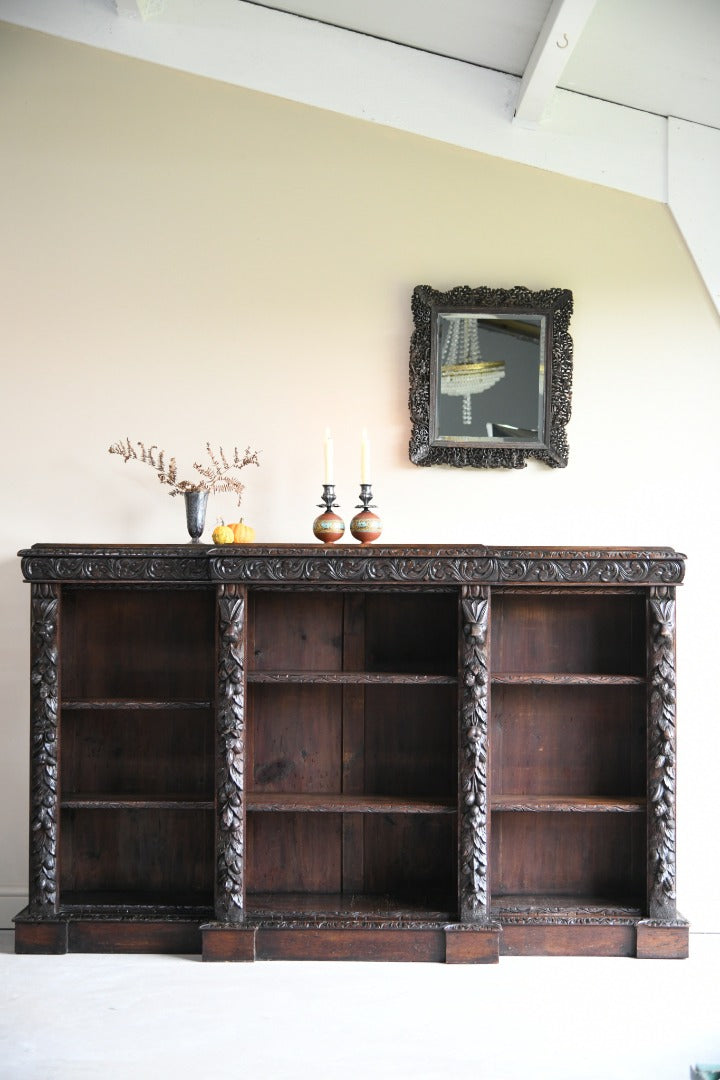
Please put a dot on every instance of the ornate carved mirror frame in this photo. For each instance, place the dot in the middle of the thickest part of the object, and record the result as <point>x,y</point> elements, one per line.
<point>464,342</point>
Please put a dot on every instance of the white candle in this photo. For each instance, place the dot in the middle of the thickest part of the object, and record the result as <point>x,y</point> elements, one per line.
<point>328,457</point>
<point>364,458</point>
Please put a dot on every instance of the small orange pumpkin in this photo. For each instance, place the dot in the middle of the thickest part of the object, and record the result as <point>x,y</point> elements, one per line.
<point>223,534</point>
<point>242,533</point>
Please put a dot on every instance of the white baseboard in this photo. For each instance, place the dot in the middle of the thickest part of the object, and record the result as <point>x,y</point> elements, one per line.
<point>11,901</point>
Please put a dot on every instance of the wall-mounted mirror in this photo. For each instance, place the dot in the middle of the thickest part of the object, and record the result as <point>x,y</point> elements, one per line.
<point>490,376</point>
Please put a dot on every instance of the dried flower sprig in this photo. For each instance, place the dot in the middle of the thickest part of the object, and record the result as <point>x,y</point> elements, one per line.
<point>214,478</point>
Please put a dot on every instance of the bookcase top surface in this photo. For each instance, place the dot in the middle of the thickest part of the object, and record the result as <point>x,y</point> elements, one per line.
<point>305,564</point>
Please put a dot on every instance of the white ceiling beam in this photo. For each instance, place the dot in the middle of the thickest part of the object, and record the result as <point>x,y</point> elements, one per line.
<point>262,49</point>
<point>139,9</point>
<point>558,37</point>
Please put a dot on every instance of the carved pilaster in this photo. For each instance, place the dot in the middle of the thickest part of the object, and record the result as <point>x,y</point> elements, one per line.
<point>230,755</point>
<point>44,699</point>
<point>473,756</point>
<point>661,753</point>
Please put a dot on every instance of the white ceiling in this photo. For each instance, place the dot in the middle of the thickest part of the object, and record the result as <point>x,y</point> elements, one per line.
<point>660,56</point>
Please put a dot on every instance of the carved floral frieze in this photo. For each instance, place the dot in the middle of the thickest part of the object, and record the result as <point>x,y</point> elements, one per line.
<point>405,565</point>
<point>480,565</point>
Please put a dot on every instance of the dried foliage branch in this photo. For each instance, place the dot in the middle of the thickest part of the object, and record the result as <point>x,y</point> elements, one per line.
<point>215,478</point>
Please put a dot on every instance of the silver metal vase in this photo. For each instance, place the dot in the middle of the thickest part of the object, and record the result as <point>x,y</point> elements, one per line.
<point>195,507</point>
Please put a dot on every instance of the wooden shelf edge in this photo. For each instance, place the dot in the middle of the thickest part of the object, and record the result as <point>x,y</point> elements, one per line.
<point>349,678</point>
<point>503,678</point>
<point>567,804</point>
<point>132,704</point>
<point>347,804</point>
<point>140,801</point>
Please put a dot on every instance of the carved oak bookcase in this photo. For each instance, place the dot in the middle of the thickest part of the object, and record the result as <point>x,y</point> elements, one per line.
<point>391,753</point>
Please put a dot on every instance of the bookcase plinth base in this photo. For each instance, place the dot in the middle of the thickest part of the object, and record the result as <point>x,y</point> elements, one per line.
<point>455,943</point>
<point>452,944</point>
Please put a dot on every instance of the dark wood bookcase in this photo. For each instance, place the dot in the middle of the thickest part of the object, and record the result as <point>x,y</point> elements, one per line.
<point>399,753</point>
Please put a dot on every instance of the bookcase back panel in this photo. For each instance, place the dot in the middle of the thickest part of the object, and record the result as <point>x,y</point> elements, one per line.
<point>403,855</point>
<point>569,633</point>
<point>411,740</point>
<point>568,740</point>
<point>584,855</point>
<point>375,632</point>
<point>300,631</point>
<point>411,856</point>
<point>146,643</point>
<point>295,738</point>
<point>414,633</point>
<point>158,752</point>
<point>294,852</point>
<point>137,851</point>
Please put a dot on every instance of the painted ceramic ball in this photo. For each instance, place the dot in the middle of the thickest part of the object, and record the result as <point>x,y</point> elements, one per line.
<point>366,526</point>
<point>328,527</point>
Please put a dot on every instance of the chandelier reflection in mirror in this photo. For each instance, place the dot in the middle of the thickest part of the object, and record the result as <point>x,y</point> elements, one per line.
<point>463,372</point>
<point>490,376</point>
<point>475,352</point>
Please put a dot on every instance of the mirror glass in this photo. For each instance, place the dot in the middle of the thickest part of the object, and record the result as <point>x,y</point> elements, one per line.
<point>488,378</point>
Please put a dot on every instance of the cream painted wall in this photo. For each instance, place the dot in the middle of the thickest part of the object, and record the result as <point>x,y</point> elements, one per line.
<point>184,260</point>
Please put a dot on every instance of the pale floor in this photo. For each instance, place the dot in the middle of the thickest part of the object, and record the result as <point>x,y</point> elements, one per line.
<point>98,1016</point>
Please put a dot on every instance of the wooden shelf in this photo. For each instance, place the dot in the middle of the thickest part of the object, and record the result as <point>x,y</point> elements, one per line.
<point>349,678</point>
<point>348,804</point>
<point>140,801</point>
<point>565,804</point>
<point>145,901</point>
<point>551,678</point>
<point>549,905</point>
<point>132,704</point>
<point>350,906</point>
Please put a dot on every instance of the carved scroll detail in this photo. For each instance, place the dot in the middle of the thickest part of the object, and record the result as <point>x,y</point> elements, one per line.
<point>661,753</point>
<point>402,565</point>
<point>44,696</point>
<point>230,751</point>
<point>478,565</point>
<point>161,564</point>
<point>473,868</point>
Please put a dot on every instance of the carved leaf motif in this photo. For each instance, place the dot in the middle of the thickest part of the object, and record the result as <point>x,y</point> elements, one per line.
<point>473,755</point>
<point>230,893</point>
<point>661,740</point>
<point>45,609</point>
